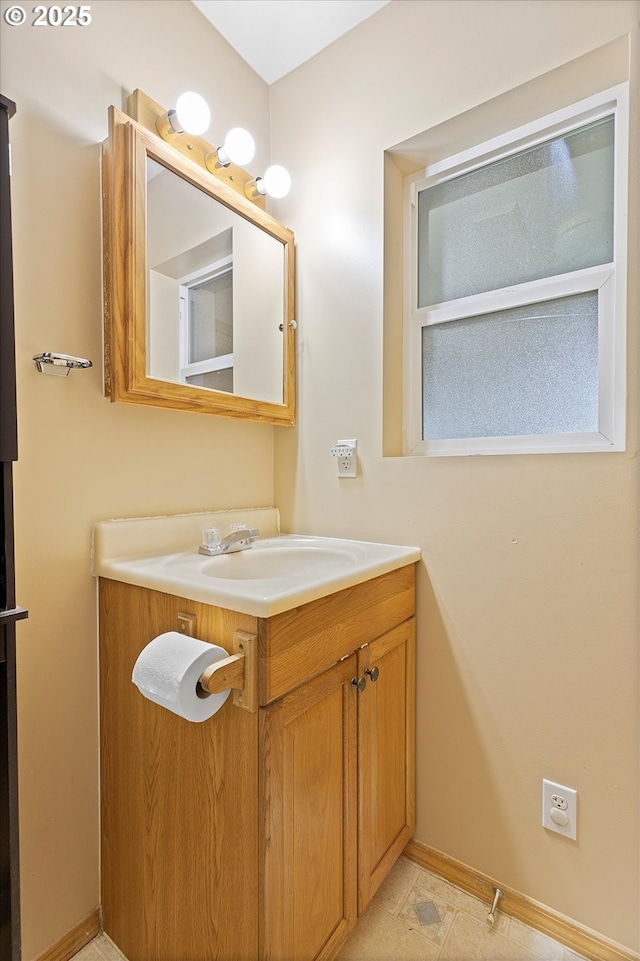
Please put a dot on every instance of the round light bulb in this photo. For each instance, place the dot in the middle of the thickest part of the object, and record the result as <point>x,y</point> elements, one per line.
<point>277,181</point>
<point>193,113</point>
<point>239,146</point>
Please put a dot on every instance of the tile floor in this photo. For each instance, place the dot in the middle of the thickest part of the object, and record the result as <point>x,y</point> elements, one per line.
<point>416,916</point>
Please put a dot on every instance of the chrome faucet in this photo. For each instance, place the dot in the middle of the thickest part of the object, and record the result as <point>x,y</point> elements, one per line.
<point>239,540</point>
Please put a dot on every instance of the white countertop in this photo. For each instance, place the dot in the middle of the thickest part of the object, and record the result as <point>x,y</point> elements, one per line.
<point>279,572</point>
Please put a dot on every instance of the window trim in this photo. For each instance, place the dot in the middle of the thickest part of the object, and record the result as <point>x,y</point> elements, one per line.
<point>185,284</point>
<point>609,280</point>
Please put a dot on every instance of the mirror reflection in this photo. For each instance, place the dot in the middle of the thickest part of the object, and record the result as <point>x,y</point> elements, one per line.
<point>215,293</point>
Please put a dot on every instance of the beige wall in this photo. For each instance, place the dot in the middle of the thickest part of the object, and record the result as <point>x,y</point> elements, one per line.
<point>82,458</point>
<point>527,603</point>
<point>527,662</point>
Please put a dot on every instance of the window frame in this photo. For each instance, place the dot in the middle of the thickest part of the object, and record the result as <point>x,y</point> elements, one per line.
<point>609,280</point>
<point>185,284</point>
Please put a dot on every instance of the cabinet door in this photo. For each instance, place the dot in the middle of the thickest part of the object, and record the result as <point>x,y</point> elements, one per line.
<point>386,748</point>
<point>309,807</point>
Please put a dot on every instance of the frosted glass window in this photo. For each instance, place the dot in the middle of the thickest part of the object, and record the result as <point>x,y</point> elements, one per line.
<point>527,370</point>
<point>545,211</point>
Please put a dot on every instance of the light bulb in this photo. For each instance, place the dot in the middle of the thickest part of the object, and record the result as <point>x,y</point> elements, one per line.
<point>192,113</point>
<point>239,147</point>
<point>277,181</point>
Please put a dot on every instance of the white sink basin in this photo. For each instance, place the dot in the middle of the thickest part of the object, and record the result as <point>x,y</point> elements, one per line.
<point>275,575</point>
<point>276,558</point>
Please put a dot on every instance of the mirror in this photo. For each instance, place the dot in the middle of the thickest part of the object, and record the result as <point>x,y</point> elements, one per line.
<point>198,286</point>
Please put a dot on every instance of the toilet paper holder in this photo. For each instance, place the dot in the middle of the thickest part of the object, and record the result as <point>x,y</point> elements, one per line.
<point>239,672</point>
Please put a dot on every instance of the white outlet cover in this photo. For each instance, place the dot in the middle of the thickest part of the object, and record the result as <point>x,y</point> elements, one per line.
<point>348,466</point>
<point>571,797</point>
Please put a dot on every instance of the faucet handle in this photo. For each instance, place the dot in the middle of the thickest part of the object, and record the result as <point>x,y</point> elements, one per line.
<point>211,537</point>
<point>249,532</point>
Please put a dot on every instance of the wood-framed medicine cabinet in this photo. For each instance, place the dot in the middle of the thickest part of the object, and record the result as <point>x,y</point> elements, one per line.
<point>198,279</point>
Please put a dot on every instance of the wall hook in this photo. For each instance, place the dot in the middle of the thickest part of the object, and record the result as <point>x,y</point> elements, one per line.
<point>59,364</point>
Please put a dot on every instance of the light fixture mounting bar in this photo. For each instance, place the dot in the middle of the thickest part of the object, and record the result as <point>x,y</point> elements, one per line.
<point>146,112</point>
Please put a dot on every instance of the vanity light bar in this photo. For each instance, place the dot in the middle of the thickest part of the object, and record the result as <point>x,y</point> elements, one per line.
<point>191,117</point>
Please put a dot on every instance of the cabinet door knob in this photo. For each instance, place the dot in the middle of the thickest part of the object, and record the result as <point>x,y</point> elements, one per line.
<point>373,672</point>
<point>360,683</point>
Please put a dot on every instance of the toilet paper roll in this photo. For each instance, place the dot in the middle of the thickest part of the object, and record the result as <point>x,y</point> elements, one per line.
<point>167,672</point>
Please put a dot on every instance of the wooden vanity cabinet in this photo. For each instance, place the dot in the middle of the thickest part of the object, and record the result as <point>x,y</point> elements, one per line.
<point>337,791</point>
<point>258,835</point>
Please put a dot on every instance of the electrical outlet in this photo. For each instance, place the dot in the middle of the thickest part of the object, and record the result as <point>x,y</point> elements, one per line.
<point>346,453</point>
<point>559,802</point>
<point>559,809</point>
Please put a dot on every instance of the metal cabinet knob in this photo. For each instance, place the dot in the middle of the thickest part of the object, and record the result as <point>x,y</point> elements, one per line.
<point>373,672</point>
<point>359,683</point>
